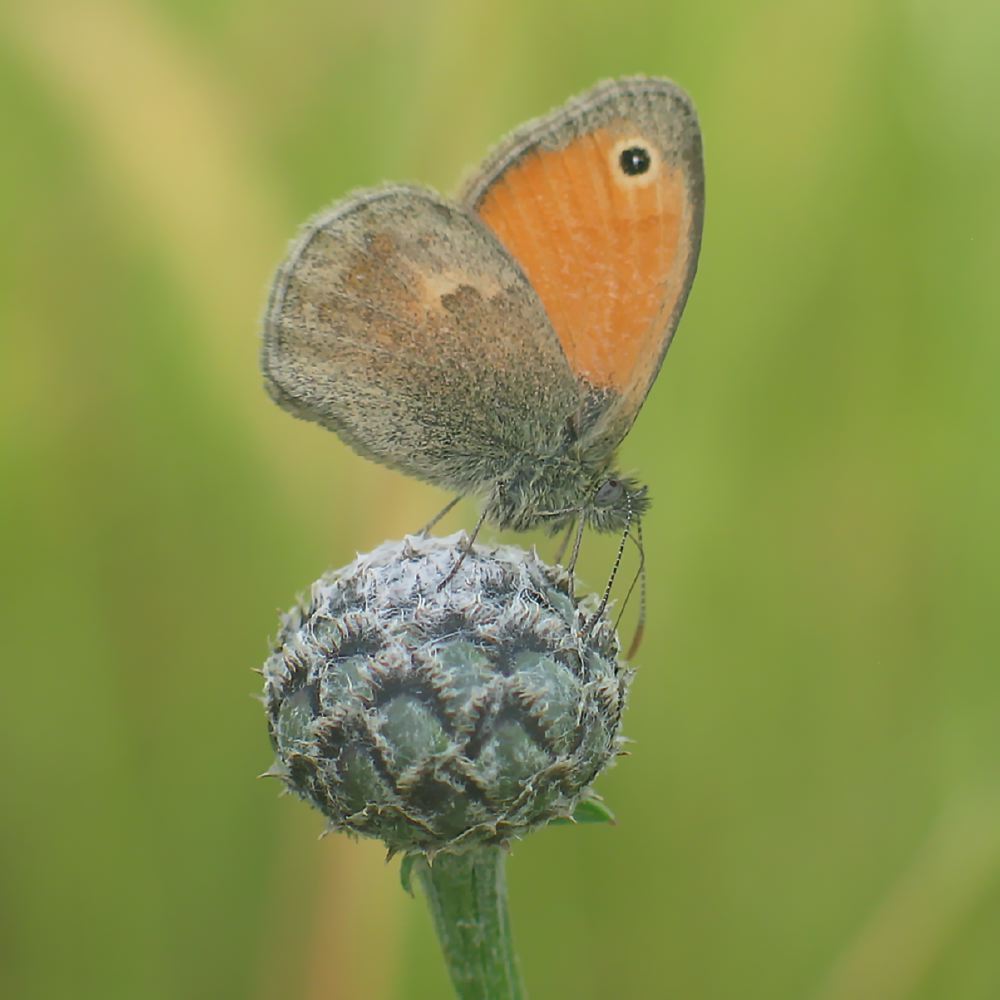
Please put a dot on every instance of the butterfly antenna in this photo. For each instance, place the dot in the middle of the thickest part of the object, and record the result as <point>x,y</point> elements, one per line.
<point>614,570</point>
<point>640,627</point>
<point>635,580</point>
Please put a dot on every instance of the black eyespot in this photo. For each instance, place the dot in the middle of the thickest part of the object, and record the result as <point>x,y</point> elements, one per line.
<point>635,160</point>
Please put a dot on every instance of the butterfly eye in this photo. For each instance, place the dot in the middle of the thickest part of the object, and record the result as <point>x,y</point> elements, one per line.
<point>634,160</point>
<point>610,493</point>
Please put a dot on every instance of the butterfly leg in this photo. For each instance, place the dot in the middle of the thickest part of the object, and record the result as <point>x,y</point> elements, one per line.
<point>468,548</point>
<point>571,568</point>
<point>426,529</point>
<point>575,526</point>
<point>565,542</point>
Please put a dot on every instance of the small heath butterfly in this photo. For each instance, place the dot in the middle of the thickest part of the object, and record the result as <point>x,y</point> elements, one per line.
<point>501,344</point>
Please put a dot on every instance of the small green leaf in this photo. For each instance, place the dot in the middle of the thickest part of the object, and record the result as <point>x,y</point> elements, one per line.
<point>593,811</point>
<point>406,872</point>
<point>588,811</point>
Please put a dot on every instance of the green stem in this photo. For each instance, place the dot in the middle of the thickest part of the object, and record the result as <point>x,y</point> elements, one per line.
<point>467,894</point>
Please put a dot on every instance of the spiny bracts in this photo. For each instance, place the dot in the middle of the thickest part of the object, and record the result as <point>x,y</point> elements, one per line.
<point>444,717</point>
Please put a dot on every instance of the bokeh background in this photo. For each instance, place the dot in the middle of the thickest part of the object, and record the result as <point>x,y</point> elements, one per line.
<point>812,809</point>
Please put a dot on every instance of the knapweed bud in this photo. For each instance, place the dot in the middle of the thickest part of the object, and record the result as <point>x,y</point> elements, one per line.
<point>437,713</point>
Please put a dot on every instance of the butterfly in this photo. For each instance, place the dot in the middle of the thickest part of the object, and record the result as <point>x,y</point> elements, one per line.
<point>500,344</point>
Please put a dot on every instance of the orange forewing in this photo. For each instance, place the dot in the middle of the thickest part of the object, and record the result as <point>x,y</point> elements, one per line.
<point>608,257</point>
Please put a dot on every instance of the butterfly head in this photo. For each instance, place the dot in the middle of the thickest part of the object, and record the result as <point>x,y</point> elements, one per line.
<point>615,502</point>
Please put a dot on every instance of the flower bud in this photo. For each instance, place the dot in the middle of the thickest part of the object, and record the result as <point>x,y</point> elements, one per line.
<point>439,710</point>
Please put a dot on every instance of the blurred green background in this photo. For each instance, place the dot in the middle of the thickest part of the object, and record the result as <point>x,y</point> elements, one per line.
<point>812,809</point>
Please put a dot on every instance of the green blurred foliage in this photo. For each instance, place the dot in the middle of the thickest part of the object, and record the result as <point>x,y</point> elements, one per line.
<point>812,807</point>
